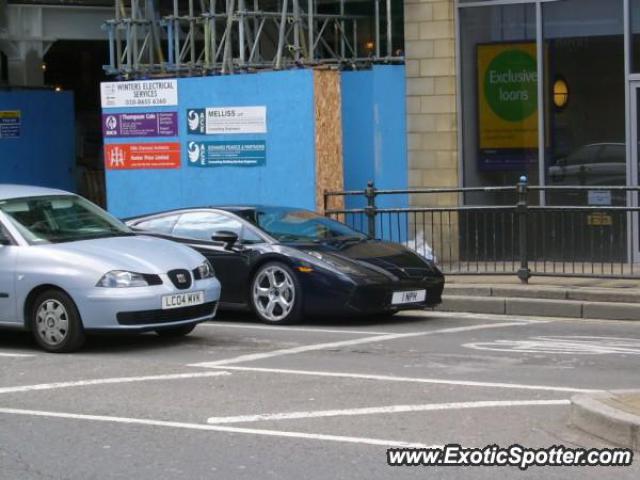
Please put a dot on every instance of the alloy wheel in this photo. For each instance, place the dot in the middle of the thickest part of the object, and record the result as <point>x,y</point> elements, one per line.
<point>274,293</point>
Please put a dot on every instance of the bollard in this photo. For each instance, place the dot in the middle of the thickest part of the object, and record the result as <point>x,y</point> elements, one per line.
<point>370,210</point>
<point>524,273</point>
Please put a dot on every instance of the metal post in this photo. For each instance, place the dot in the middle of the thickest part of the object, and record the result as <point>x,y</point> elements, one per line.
<point>342,32</point>
<point>389,37</point>
<point>283,28</point>
<point>227,61</point>
<point>377,20</point>
<point>296,29</point>
<point>310,53</point>
<point>370,210</point>
<point>524,273</point>
<point>241,12</point>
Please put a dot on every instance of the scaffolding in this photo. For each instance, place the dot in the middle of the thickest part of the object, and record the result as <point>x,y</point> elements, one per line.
<point>205,37</point>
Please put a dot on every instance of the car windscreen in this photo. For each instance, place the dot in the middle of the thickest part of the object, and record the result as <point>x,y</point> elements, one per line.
<point>291,225</point>
<point>60,218</point>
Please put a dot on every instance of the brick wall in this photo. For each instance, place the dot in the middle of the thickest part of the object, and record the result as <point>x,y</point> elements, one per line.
<point>431,95</point>
<point>431,118</point>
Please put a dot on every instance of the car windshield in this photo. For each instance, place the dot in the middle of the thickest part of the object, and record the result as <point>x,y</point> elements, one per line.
<point>60,218</point>
<point>292,225</point>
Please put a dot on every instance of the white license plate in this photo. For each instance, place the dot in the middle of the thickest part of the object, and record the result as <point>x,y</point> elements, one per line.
<point>413,296</point>
<point>180,300</point>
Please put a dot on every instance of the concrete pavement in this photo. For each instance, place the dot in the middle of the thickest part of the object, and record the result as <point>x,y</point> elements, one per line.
<point>606,299</point>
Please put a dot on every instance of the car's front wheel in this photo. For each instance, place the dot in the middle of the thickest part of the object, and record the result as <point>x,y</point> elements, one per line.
<point>174,332</point>
<point>276,296</point>
<point>55,322</point>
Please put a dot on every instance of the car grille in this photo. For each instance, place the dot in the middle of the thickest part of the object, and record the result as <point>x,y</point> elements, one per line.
<point>180,278</point>
<point>166,316</point>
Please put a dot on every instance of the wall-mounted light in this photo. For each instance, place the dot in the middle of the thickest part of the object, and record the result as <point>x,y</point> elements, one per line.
<point>43,67</point>
<point>58,89</point>
<point>369,46</point>
<point>560,93</point>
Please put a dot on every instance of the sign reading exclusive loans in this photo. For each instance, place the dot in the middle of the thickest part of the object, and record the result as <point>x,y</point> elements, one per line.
<point>508,96</point>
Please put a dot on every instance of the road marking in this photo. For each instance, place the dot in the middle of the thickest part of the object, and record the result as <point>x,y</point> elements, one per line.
<point>347,343</point>
<point>567,345</point>
<point>286,329</point>
<point>16,355</point>
<point>386,409</point>
<point>216,428</point>
<point>106,381</point>
<point>476,316</point>
<point>391,378</point>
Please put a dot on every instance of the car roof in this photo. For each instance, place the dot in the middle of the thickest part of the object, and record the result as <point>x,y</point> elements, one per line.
<point>8,191</point>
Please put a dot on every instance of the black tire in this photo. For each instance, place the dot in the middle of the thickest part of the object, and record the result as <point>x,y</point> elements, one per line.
<point>61,331</point>
<point>174,332</point>
<point>294,314</point>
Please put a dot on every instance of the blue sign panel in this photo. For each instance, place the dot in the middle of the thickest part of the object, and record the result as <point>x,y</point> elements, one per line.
<point>241,153</point>
<point>10,122</point>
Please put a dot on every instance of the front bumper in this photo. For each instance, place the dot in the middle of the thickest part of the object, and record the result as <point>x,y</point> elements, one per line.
<point>329,294</point>
<point>140,309</point>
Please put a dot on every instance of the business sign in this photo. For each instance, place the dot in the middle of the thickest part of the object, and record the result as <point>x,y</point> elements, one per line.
<point>225,120</point>
<point>148,124</point>
<point>250,153</point>
<point>507,102</point>
<point>138,156</point>
<point>10,123</point>
<point>144,93</point>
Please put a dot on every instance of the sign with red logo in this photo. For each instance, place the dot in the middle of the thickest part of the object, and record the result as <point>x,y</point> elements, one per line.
<point>138,156</point>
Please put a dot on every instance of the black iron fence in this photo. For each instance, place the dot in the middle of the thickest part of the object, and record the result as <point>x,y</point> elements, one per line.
<point>560,231</point>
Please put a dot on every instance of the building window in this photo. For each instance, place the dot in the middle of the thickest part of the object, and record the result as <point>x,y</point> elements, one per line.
<point>499,96</point>
<point>585,139</point>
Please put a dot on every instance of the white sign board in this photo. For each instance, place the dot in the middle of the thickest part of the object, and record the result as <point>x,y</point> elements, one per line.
<point>144,93</point>
<point>600,197</point>
<point>227,120</point>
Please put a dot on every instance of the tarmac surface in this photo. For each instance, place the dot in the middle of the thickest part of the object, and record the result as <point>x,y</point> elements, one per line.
<point>326,399</point>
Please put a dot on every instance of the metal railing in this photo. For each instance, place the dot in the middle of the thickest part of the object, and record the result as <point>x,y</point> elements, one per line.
<point>562,237</point>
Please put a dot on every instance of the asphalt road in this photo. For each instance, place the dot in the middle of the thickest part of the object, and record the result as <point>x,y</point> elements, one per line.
<point>324,400</point>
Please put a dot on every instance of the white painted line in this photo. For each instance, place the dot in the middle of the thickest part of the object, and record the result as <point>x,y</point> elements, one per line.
<point>216,428</point>
<point>347,343</point>
<point>386,409</point>
<point>391,378</point>
<point>478,316</point>
<point>285,329</point>
<point>106,381</point>
<point>16,355</point>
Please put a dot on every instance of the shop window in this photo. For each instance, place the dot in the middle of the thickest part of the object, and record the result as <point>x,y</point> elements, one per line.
<point>499,97</point>
<point>586,137</point>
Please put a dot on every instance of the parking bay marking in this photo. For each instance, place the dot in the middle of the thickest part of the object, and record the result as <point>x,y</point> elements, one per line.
<point>291,329</point>
<point>347,343</point>
<point>391,378</point>
<point>17,355</point>
<point>217,428</point>
<point>106,381</point>
<point>429,407</point>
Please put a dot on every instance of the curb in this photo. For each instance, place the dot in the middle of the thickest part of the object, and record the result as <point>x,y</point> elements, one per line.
<point>540,307</point>
<point>590,414</point>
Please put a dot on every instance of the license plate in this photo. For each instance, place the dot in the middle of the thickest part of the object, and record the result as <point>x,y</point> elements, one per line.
<point>413,296</point>
<point>180,300</point>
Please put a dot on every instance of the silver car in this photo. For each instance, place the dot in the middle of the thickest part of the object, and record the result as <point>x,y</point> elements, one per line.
<point>67,267</point>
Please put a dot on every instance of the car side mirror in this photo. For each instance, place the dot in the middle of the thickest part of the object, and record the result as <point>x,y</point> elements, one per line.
<point>228,238</point>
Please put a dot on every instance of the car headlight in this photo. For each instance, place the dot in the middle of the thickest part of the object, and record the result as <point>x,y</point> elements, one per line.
<point>204,271</point>
<point>341,266</point>
<point>122,279</point>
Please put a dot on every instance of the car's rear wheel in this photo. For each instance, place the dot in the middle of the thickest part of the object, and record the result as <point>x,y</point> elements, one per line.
<point>173,332</point>
<point>276,296</point>
<point>55,322</point>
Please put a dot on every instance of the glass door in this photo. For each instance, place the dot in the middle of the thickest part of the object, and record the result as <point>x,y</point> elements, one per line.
<point>632,169</point>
